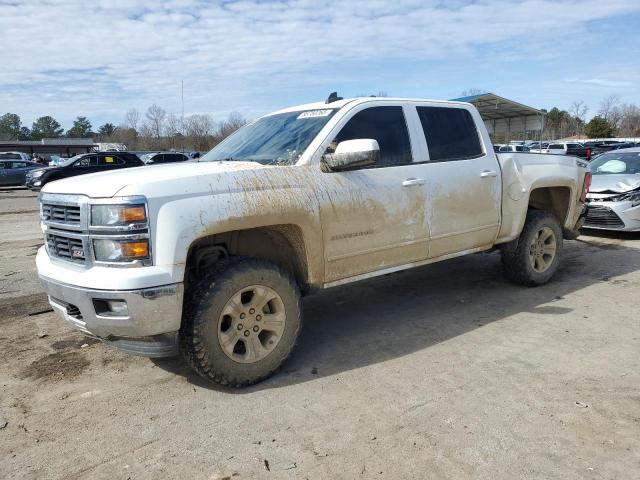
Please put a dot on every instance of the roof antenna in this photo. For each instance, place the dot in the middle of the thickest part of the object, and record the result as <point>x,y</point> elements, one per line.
<point>333,97</point>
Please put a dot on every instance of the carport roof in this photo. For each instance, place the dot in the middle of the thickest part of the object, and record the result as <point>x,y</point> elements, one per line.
<point>495,107</point>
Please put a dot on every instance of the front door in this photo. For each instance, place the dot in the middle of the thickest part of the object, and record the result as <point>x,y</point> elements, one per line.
<point>374,218</point>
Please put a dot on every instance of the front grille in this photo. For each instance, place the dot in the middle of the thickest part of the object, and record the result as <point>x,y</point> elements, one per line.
<point>67,248</point>
<point>602,217</point>
<point>65,214</point>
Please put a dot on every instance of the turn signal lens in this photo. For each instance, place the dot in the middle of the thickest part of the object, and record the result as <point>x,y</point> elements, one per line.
<point>135,249</point>
<point>586,186</point>
<point>132,214</point>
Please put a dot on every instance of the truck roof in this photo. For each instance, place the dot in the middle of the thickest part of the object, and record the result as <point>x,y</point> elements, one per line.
<point>345,101</point>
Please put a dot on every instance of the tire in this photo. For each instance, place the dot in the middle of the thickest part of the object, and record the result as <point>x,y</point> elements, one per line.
<point>528,259</point>
<point>220,326</point>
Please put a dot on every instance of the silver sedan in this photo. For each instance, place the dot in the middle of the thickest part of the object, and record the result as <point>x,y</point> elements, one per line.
<point>613,201</point>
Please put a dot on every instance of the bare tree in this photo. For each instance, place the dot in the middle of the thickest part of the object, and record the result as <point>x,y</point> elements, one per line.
<point>132,118</point>
<point>471,92</point>
<point>610,111</point>
<point>199,131</point>
<point>578,111</point>
<point>233,122</point>
<point>629,125</point>
<point>155,120</point>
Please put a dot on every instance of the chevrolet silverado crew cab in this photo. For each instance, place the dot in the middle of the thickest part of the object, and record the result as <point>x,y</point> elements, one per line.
<point>211,258</point>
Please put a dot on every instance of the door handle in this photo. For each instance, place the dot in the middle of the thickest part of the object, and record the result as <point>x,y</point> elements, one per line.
<point>488,173</point>
<point>410,182</point>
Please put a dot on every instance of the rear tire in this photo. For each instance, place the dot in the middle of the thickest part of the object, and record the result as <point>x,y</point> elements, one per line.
<point>241,324</point>
<point>533,258</point>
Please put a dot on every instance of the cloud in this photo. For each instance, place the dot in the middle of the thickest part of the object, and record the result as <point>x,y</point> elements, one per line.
<point>102,57</point>
<point>601,82</point>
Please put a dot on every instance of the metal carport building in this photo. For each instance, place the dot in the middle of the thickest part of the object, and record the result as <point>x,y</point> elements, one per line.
<point>505,119</point>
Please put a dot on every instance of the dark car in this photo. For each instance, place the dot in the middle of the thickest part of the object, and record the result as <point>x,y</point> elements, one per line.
<point>14,172</point>
<point>80,165</point>
<point>164,157</point>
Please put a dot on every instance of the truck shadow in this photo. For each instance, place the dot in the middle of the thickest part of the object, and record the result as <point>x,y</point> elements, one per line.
<point>378,320</point>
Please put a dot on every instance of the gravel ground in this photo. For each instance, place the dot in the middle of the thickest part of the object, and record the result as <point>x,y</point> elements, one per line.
<point>441,372</point>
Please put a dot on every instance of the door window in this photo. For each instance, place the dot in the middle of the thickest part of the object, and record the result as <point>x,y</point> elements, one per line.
<point>89,161</point>
<point>19,165</point>
<point>451,133</point>
<point>384,124</point>
<point>109,161</point>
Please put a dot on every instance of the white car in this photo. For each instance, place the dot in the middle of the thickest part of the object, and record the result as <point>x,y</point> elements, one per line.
<point>513,148</point>
<point>614,195</point>
<point>214,256</point>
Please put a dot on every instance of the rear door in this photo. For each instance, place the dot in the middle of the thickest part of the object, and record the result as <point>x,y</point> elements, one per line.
<point>109,162</point>
<point>463,180</point>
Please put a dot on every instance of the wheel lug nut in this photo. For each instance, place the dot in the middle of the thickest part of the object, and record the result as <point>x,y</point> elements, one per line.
<point>252,311</point>
<point>255,329</point>
<point>242,315</point>
<point>240,326</point>
<point>246,333</point>
<point>258,317</point>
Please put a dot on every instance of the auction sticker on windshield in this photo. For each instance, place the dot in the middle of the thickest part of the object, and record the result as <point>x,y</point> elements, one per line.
<point>315,113</point>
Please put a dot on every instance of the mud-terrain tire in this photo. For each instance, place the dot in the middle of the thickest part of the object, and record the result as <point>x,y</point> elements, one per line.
<point>533,258</point>
<point>228,336</point>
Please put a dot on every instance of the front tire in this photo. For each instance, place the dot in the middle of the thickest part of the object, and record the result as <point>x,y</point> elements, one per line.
<point>241,324</point>
<point>533,258</point>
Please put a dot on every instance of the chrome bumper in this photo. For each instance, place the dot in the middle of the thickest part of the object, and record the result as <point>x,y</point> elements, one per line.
<point>149,327</point>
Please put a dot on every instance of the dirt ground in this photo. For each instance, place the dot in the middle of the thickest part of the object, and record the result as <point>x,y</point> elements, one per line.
<point>446,371</point>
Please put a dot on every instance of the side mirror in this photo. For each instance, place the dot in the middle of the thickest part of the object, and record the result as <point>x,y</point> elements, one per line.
<point>352,154</point>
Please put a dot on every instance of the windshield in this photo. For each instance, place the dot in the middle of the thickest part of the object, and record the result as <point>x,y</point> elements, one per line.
<point>274,140</point>
<point>616,162</point>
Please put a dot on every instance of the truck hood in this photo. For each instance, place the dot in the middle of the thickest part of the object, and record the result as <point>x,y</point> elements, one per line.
<point>108,184</point>
<point>614,183</point>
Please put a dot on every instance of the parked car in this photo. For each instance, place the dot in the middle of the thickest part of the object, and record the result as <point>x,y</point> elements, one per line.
<point>513,148</point>
<point>569,148</point>
<point>614,195</point>
<point>538,147</point>
<point>302,199</point>
<point>81,165</point>
<point>15,156</point>
<point>164,157</point>
<point>14,172</point>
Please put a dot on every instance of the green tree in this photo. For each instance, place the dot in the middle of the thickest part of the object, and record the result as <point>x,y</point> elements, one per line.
<point>25,134</point>
<point>10,126</point>
<point>81,128</point>
<point>598,127</point>
<point>107,130</point>
<point>46,127</point>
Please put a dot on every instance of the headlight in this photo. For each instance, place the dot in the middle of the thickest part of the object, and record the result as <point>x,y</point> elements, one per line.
<point>633,197</point>
<point>120,250</point>
<point>118,216</point>
<point>36,174</point>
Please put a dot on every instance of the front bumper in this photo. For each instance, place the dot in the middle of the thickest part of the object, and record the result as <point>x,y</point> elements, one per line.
<point>619,216</point>
<point>149,326</point>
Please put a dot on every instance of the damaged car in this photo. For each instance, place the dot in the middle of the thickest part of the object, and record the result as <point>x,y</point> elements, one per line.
<point>614,195</point>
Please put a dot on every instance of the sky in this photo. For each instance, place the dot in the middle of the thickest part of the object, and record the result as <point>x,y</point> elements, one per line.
<point>100,58</point>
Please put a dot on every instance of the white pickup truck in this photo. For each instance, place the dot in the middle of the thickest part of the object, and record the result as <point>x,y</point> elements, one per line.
<point>211,258</point>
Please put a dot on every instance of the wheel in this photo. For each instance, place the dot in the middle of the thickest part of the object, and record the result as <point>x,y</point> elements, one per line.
<point>533,258</point>
<point>240,325</point>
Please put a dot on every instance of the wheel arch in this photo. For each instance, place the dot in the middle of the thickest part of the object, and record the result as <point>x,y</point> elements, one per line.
<point>282,244</point>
